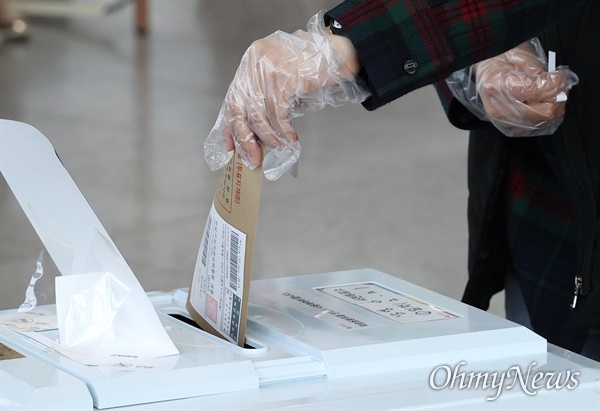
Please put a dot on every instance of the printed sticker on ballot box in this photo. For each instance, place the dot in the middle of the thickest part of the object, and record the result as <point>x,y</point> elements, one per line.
<point>388,303</point>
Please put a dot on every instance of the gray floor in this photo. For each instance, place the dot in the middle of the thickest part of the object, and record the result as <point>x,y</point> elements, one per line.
<point>128,118</point>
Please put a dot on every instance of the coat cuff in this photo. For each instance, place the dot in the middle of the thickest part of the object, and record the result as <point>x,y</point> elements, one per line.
<point>399,49</point>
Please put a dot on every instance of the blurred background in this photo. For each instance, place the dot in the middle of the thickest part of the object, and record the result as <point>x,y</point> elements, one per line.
<point>128,114</point>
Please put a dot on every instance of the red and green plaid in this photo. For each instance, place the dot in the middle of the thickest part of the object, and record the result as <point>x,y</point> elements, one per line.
<point>440,36</point>
<point>542,240</point>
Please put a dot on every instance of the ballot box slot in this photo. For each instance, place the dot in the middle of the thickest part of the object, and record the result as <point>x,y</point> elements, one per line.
<point>196,325</point>
<point>184,319</point>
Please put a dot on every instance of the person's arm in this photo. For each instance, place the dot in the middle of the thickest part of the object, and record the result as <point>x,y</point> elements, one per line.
<point>279,78</point>
<point>406,44</point>
<point>396,45</point>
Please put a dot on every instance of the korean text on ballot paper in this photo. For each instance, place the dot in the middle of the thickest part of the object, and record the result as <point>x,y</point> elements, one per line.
<point>218,297</point>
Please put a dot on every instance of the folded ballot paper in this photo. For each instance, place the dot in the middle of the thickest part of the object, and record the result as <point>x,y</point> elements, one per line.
<point>102,313</point>
<point>218,297</point>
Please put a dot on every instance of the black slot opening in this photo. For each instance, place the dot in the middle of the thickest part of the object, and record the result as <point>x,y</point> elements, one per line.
<point>193,323</point>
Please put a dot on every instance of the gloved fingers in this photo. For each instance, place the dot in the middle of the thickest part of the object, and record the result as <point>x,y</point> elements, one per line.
<point>515,92</point>
<point>521,112</point>
<point>218,146</point>
<point>248,146</point>
<point>279,160</point>
<point>276,130</point>
<point>285,154</point>
<point>532,89</point>
<point>244,139</point>
<point>526,59</point>
<point>515,86</point>
<point>279,78</point>
<point>523,119</point>
<point>261,125</point>
<point>538,113</point>
<point>228,143</point>
<point>260,111</point>
<point>279,119</point>
<point>561,80</point>
<point>273,123</point>
<point>531,66</point>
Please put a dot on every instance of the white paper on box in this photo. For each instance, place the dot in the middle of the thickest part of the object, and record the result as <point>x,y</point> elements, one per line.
<point>78,244</point>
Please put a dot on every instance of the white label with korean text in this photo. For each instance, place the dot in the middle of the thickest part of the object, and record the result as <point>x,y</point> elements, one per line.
<point>388,303</point>
<point>327,309</point>
<point>217,286</point>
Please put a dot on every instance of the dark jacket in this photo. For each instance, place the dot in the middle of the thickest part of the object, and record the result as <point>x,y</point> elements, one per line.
<point>403,45</point>
<point>576,144</point>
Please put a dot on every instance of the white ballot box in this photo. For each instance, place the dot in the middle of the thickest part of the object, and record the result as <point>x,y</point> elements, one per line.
<point>342,340</point>
<point>346,340</point>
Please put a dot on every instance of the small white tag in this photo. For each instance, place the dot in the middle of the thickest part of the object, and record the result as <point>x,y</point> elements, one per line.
<point>551,61</point>
<point>560,97</point>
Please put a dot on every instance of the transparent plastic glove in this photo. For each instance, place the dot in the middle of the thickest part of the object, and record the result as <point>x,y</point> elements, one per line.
<point>279,78</point>
<point>515,91</point>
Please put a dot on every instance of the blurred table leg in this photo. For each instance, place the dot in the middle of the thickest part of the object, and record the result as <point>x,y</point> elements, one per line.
<point>141,16</point>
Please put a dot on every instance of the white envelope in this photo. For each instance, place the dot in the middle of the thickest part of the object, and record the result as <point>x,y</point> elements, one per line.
<point>79,245</point>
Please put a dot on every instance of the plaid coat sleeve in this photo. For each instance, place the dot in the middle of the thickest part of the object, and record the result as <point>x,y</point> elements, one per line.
<point>406,44</point>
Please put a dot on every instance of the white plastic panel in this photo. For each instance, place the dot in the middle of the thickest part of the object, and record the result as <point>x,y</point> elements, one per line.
<point>306,333</point>
<point>279,374</point>
<point>408,391</point>
<point>28,383</point>
<point>380,344</point>
<point>205,365</point>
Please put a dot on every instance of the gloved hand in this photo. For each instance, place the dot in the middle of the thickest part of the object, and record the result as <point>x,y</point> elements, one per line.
<point>515,91</point>
<point>279,78</point>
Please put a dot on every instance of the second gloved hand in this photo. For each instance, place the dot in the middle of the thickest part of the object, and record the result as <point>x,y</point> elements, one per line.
<point>515,92</point>
<point>279,78</point>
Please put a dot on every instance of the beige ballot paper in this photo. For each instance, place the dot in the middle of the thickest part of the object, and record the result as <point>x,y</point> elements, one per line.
<point>218,297</point>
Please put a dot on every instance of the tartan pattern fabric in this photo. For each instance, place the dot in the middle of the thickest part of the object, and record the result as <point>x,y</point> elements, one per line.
<point>549,181</point>
<point>542,240</point>
<point>440,36</point>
